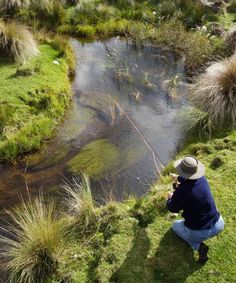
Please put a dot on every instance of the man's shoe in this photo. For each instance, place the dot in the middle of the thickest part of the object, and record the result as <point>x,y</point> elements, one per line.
<point>202,251</point>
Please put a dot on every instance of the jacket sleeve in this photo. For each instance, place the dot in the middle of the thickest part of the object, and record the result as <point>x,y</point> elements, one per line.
<point>176,202</point>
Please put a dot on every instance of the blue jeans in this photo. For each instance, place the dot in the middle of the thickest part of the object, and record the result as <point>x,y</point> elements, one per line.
<point>195,237</point>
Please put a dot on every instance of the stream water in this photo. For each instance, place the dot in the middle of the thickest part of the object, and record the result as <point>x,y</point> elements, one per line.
<point>95,137</point>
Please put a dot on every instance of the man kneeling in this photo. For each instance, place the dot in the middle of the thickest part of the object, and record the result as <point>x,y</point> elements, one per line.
<point>192,195</point>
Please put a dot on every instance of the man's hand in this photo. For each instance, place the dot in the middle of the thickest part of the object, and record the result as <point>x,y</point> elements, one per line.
<point>169,195</point>
<point>174,177</point>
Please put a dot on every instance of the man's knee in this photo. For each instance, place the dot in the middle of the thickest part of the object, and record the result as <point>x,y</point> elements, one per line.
<point>177,226</point>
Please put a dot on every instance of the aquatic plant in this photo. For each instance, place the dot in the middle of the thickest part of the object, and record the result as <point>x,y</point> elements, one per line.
<point>16,41</point>
<point>79,200</point>
<point>95,159</point>
<point>34,241</point>
<point>215,92</point>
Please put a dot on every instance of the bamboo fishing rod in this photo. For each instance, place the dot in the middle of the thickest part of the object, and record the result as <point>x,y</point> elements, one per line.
<point>155,155</point>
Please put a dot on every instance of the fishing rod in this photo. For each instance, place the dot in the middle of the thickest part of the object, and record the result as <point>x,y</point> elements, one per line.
<point>155,154</point>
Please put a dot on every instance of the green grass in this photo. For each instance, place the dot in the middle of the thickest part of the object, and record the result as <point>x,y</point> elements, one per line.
<point>133,241</point>
<point>37,95</point>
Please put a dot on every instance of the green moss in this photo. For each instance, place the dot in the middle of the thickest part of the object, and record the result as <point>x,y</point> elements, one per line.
<point>96,159</point>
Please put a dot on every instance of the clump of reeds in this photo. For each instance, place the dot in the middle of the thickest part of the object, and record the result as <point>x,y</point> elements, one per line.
<point>33,242</point>
<point>79,199</point>
<point>215,92</point>
<point>16,41</point>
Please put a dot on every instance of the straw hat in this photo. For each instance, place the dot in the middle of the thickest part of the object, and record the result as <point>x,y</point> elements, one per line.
<point>190,168</point>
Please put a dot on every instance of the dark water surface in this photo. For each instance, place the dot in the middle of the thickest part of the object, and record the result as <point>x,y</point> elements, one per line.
<point>96,134</point>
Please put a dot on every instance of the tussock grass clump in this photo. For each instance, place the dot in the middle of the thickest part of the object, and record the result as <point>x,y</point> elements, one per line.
<point>230,38</point>
<point>215,92</point>
<point>14,4</point>
<point>80,200</point>
<point>34,241</point>
<point>17,42</point>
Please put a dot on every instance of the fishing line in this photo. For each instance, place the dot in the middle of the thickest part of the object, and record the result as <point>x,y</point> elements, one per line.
<point>155,155</point>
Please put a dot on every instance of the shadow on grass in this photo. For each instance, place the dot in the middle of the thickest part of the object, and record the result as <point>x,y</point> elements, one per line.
<point>134,268</point>
<point>173,261</point>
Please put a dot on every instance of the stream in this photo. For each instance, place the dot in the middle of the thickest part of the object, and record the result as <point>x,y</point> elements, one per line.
<point>96,137</point>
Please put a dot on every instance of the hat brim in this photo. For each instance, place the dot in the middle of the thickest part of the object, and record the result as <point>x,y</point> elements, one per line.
<point>200,170</point>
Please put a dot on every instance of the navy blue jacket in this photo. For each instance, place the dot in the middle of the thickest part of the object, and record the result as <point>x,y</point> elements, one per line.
<point>195,199</point>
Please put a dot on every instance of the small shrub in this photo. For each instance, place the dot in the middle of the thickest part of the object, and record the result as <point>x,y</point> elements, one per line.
<point>167,8</point>
<point>16,41</point>
<point>215,92</point>
<point>216,163</point>
<point>200,148</point>
<point>34,242</point>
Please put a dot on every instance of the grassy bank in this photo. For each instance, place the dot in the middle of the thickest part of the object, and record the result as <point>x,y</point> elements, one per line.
<point>33,98</point>
<point>132,241</point>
